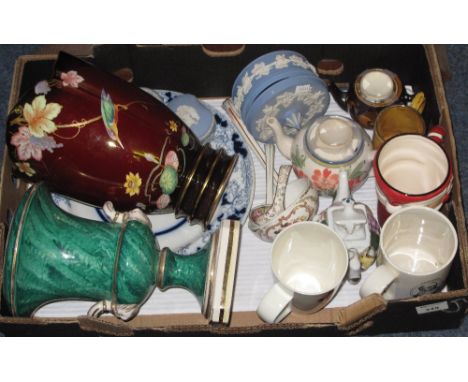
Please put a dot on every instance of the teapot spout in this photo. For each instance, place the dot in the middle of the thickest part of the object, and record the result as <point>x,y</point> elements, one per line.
<point>283,141</point>
<point>343,191</point>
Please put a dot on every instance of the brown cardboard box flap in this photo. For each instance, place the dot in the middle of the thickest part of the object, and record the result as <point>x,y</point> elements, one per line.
<point>115,328</point>
<point>361,311</point>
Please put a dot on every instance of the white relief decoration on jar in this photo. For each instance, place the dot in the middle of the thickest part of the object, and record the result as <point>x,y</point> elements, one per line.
<point>315,102</point>
<point>299,61</point>
<point>261,69</point>
<point>188,114</point>
<point>285,99</point>
<point>246,83</point>
<point>295,121</point>
<point>281,61</point>
<point>238,101</point>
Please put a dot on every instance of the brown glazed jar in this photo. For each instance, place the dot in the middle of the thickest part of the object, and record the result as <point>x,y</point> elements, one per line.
<point>94,138</point>
<point>371,91</point>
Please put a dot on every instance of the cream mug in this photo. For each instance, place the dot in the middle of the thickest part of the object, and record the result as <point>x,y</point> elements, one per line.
<point>417,247</point>
<point>309,262</point>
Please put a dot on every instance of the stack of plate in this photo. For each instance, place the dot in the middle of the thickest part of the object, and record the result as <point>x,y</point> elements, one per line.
<point>281,84</point>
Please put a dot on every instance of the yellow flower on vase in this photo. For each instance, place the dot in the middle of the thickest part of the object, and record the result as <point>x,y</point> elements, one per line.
<point>39,116</point>
<point>25,168</point>
<point>173,126</point>
<point>132,184</point>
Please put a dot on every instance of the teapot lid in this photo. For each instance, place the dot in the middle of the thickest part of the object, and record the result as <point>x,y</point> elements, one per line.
<point>334,139</point>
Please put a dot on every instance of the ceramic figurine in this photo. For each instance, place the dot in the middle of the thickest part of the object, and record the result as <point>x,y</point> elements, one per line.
<point>329,145</point>
<point>356,225</point>
<point>52,255</point>
<point>94,137</point>
<point>372,90</point>
<point>294,202</point>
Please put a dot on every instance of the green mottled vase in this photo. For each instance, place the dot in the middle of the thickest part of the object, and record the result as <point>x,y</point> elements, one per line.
<point>52,255</point>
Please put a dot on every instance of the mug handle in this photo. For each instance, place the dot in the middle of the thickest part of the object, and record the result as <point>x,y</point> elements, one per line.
<point>378,281</point>
<point>275,305</point>
<point>437,133</point>
<point>388,206</point>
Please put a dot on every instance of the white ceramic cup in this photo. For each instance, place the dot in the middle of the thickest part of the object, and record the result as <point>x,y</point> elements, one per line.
<point>417,247</point>
<point>309,262</point>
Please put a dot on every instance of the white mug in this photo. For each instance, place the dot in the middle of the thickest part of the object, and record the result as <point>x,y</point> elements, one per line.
<point>309,262</point>
<point>417,247</point>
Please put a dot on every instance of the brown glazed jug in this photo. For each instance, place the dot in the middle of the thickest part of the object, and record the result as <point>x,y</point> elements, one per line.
<point>370,92</point>
<point>94,137</point>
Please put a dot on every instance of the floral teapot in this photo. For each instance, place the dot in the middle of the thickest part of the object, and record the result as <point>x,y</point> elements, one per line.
<point>330,145</point>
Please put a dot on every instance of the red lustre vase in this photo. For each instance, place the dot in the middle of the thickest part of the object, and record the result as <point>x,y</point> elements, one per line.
<point>93,137</point>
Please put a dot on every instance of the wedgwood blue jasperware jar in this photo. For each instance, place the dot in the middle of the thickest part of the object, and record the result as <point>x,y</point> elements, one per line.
<point>283,85</point>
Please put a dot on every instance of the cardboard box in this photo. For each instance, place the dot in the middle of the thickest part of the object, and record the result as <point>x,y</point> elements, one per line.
<point>190,69</point>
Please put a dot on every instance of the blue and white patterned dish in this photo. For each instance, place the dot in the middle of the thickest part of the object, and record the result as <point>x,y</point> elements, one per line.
<point>178,234</point>
<point>295,101</point>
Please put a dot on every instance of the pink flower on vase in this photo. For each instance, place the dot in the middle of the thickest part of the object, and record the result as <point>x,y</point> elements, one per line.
<point>172,160</point>
<point>71,78</point>
<point>163,201</point>
<point>325,180</point>
<point>24,147</point>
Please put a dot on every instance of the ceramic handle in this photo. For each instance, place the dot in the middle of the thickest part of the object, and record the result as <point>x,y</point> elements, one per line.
<point>388,206</point>
<point>437,134</point>
<point>418,102</point>
<point>378,281</point>
<point>270,167</point>
<point>340,96</point>
<point>275,305</point>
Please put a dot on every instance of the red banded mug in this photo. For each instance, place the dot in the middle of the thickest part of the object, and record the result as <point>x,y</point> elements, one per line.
<point>410,170</point>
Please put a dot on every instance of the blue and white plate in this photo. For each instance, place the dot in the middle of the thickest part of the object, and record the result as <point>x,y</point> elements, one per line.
<point>178,234</point>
